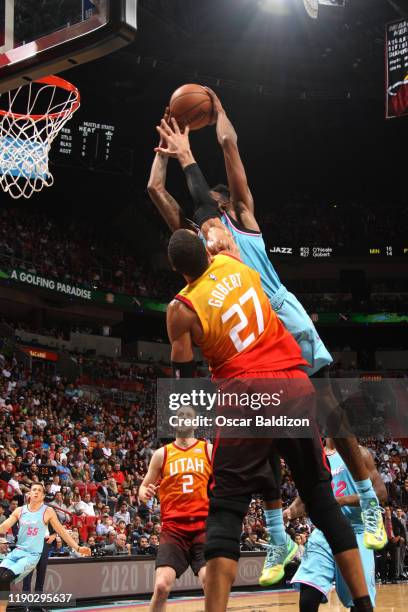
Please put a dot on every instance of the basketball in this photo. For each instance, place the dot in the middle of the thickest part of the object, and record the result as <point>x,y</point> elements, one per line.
<point>191,105</point>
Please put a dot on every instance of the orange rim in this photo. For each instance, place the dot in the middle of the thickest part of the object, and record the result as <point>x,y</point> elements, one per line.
<point>55,82</point>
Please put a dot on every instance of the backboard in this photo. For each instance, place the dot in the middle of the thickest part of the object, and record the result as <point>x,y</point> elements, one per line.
<point>41,37</point>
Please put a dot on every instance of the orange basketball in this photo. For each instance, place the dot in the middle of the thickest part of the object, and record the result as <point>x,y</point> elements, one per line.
<point>191,105</point>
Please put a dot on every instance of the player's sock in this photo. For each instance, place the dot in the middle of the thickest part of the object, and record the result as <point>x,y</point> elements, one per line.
<point>275,527</point>
<point>363,604</point>
<point>366,492</point>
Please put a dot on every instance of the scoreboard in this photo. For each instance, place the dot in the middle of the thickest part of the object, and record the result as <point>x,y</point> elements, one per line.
<point>94,146</point>
<point>327,252</point>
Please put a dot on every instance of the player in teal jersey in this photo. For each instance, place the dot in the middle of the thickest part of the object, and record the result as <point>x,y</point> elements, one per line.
<point>236,227</point>
<point>33,519</point>
<point>225,216</point>
<point>318,568</point>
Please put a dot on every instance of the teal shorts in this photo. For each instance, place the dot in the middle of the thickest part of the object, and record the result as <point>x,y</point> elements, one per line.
<point>21,563</point>
<point>319,569</point>
<point>296,320</point>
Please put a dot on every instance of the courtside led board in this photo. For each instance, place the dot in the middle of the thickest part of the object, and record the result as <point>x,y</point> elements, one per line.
<point>44,37</point>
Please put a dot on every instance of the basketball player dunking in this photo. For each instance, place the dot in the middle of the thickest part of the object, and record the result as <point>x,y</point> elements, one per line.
<point>183,469</point>
<point>33,519</point>
<point>242,338</point>
<point>225,213</point>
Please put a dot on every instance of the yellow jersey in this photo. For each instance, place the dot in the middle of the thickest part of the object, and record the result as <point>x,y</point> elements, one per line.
<point>184,480</point>
<point>241,332</point>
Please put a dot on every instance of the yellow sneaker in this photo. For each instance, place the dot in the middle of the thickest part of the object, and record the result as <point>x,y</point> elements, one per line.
<point>375,536</point>
<point>277,558</point>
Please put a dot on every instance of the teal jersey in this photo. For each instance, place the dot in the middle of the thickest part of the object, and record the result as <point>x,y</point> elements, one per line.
<point>253,253</point>
<point>32,530</point>
<point>286,305</point>
<point>343,484</point>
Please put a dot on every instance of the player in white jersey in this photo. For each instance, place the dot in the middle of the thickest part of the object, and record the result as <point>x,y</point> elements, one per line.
<point>33,519</point>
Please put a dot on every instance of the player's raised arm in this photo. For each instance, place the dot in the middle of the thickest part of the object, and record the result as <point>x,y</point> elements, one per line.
<point>241,196</point>
<point>167,206</point>
<point>148,487</point>
<point>11,521</point>
<point>206,215</point>
<point>178,146</point>
<point>51,517</point>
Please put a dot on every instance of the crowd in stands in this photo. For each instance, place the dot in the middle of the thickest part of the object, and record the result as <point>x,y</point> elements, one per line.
<point>72,252</point>
<point>58,332</point>
<point>352,225</point>
<point>346,302</point>
<point>111,369</point>
<point>93,455</point>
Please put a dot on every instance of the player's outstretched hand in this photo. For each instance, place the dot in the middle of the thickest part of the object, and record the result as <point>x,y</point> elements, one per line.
<point>287,515</point>
<point>84,551</point>
<point>147,493</point>
<point>166,117</point>
<point>217,105</point>
<point>177,141</point>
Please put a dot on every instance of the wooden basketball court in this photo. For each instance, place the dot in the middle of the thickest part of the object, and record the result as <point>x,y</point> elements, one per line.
<point>390,598</point>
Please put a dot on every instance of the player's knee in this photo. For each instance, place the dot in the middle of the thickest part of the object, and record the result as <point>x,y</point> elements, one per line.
<point>162,588</point>
<point>224,527</point>
<point>6,578</point>
<point>310,599</point>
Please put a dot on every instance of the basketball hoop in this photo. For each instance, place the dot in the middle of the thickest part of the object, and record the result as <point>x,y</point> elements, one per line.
<point>35,115</point>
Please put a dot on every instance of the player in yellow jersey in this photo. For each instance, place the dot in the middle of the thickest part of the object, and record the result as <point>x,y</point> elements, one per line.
<point>183,469</point>
<point>228,223</point>
<point>224,310</point>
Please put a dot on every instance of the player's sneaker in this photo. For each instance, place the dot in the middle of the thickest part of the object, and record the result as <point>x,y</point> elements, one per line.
<point>375,536</point>
<point>277,557</point>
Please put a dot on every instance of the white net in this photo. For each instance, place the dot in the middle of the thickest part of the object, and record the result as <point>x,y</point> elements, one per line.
<point>30,119</point>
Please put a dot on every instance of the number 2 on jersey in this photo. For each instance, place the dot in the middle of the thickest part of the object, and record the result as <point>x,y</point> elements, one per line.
<point>341,487</point>
<point>239,344</point>
<point>188,484</point>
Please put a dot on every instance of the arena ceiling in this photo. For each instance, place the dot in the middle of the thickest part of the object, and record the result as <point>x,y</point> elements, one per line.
<point>307,98</point>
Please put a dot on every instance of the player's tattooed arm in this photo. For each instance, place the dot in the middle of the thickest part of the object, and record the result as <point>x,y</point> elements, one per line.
<point>11,521</point>
<point>51,517</point>
<point>167,206</point>
<point>149,486</point>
